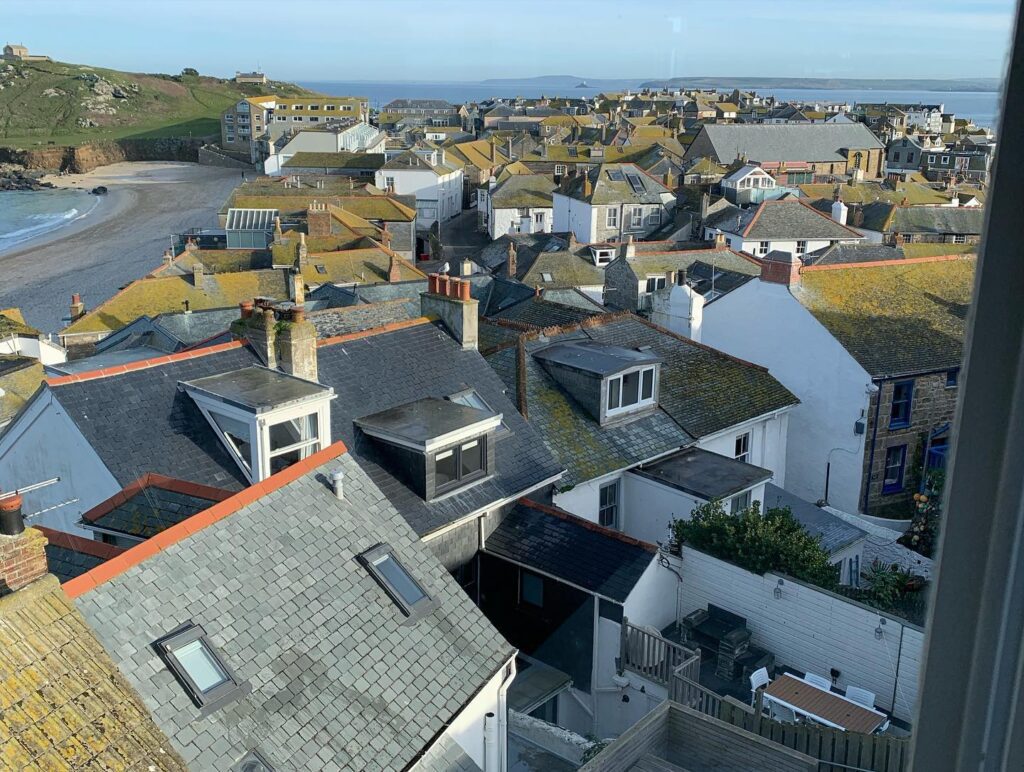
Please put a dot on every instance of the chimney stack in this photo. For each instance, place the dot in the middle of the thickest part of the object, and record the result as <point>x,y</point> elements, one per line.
<point>587,189</point>
<point>296,345</point>
<point>278,235</point>
<point>394,271</point>
<point>303,251</point>
<point>720,241</point>
<point>318,219</point>
<point>22,551</point>
<point>260,333</point>
<point>168,257</point>
<point>197,275</point>
<point>512,267</point>
<point>839,210</point>
<point>449,299</point>
<point>77,307</point>
<point>628,247</point>
<point>467,267</point>
<point>670,278</point>
<point>781,268</point>
<point>296,287</point>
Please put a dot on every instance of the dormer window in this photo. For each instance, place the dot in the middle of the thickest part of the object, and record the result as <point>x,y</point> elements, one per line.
<point>438,446</point>
<point>267,420</point>
<point>631,390</point>
<point>603,255</point>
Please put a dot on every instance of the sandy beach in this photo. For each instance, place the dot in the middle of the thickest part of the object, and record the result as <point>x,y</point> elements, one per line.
<point>121,240</point>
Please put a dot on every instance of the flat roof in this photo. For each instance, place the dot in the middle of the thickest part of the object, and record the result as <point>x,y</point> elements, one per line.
<point>258,389</point>
<point>704,474</point>
<point>427,423</point>
<point>594,357</point>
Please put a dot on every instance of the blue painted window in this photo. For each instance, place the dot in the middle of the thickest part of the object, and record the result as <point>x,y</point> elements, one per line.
<point>902,396</point>
<point>895,463</point>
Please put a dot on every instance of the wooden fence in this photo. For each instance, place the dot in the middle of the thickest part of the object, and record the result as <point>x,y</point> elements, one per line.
<point>643,651</point>
<point>835,749</point>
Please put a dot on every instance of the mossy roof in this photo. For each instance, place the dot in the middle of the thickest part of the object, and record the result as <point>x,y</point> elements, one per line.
<point>164,294</point>
<point>13,323</point>
<point>361,266</point>
<point>566,270</point>
<point>19,379</point>
<point>218,261</point>
<point>65,704</point>
<point>516,167</point>
<point>583,154</point>
<point>658,263</point>
<point>523,190</point>
<point>342,160</point>
<point>478,153</point>
<point>707,167</point>
<point>894,319</point>
<point>866,192</point>
<point>384,208</point>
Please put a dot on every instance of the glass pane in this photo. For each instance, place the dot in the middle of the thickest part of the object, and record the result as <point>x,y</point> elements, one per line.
<point>445,469</point>
<point>290,432</point>
<point>531,589</point>
<point>472,456</point>
<point>237,433</point>
<point>647,391</point>
<point>398,579</point>
<point>470,399</point>
<point>630,388</point>
<point>201,666</point>
<point>614,385</point>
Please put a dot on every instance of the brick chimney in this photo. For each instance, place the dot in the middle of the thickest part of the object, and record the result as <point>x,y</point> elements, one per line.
<point>385,236</point>
<point>77,307</point>
<point>511,259</point>
<point>781,268</point>
<point>318,219</point>
<point>22,550</point>
<point>449,299</point>
<point>394,271</point>
<point>296,345</point>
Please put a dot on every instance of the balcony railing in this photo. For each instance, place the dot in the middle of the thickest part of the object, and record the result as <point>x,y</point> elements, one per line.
<point>645,652</point>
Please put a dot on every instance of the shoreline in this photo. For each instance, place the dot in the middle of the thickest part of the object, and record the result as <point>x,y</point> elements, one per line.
<point>118,242</point>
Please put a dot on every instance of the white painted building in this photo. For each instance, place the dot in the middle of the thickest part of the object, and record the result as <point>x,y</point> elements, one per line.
<point>356,137</point>
<point>521,203</point>
<point>436,186</point>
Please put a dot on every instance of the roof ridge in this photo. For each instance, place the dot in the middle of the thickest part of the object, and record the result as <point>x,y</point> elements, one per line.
<point>590,525</point>
<point>176,533</point>
<point>143,364</point>
<point>884,263</point>
<point>382,330</point>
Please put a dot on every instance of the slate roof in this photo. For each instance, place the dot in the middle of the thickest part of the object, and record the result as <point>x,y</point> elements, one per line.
<point>894,319</point>
<point>938,219</point>
<point>68,555</point>
<point>569,548</point>
<point>540,312</point>
<point>170,332</point>
<point>833,532</point>
<point>65,705</point>
<point>605,190</point>
<point>528,245</point>
<point>723,260</point>
<point>445,755</point>
<point>523,190</point>
<point>339,679</point>
<point>790,218</point>
<point>841,254</point>
<point>566,269</point>
<point>786,142</point>
<point>349,319</point>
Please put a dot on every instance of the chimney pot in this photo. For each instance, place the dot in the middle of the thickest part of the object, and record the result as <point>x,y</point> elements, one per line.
<point>298,314</point>
<point>432,283</point>
<point>247,307</point>
<point>76,299</point>
<point>338,483</point>
<point>464,288</point>
<point>442,285</point>
<point>670,278</point>
<point>12,522</point>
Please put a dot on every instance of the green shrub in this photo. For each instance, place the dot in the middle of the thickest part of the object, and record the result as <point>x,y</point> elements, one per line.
<point>773,541</point>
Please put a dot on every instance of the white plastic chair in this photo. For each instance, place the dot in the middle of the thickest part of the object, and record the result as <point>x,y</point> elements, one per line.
<point>758,679</point>
<point>861,696</point>
<point>782,713</point>
<point>820,681</point>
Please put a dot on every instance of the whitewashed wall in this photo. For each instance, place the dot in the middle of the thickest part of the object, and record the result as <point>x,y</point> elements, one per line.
<point>810,629</point>
<point>584,500</point>
<point>44,443</point>
<point>46,352</point>
<point>501,221</point>
<point>763,323</point>
<point>575,216</point>
<point>467,728</point>
<point>649,507</point>
<point>768,438</point>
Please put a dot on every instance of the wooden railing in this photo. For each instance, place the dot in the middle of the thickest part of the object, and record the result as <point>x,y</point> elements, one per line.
<point>648,654</point>
<point>686,691</point>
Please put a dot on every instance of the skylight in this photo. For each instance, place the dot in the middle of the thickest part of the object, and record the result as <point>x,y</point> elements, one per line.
<point>395,579</point>
<point>547,277</point>
<point>636,183</point>
<point>615,175</point>
<point>199,668</point>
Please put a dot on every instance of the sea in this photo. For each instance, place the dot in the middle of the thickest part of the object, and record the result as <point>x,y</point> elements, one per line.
<point>982,106</point>
<point>26,215</point>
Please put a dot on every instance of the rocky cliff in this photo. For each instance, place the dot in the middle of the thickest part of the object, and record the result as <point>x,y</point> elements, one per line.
<point>88,156</point>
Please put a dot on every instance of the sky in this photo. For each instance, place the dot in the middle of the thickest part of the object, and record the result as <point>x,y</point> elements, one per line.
<point>449,40</point>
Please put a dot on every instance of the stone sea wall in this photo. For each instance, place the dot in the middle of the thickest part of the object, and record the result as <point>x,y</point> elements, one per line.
<point>86,157</point>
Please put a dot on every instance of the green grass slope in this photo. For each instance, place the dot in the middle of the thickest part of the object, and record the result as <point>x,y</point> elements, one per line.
<point>44,103</point>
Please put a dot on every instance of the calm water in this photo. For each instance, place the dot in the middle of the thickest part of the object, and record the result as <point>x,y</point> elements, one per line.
<point>28,214</point>
<point>979,105</point>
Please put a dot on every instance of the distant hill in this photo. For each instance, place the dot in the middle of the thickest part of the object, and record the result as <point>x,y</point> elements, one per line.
<point>45,103</point>
<point>876,84</point>
<point>565,81</point>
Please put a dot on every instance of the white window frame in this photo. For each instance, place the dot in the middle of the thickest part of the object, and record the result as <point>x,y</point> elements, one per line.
<point>641,402</point>
<point>612,507</point>
<point>611,217</point>
<point>801,247</point>
<point>959,238</point>
<point>763,247</point>
<point>741,447</point>
<point>654,218</point>
<point>559,170</point>
<point>538,218</point>
<point>636,218</point>
<point>739,502</point>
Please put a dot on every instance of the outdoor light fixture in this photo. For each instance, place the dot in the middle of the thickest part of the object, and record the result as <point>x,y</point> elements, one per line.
<point>778,590</point>
<point>878,630</point>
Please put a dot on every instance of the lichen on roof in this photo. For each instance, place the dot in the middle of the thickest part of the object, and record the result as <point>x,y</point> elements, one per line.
<point>342,160</point>
<point>13,323</point>
<point>360,266</point>
<point>894,319</point>
<point>63,703</point>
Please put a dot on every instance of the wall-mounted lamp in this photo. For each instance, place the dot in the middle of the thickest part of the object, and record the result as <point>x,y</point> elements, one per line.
<point>778,590</point>
<point>878,630</point>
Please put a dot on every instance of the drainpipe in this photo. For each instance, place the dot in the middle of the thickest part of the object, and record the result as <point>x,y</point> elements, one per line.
<point>491,762</point>
<point>510,674</point>
<point>871,451</point>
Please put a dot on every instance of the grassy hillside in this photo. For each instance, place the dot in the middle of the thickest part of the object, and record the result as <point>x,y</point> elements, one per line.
<point>44,103</point>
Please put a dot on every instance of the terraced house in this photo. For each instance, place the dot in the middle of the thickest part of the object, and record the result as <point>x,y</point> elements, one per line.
<point>872,349</point>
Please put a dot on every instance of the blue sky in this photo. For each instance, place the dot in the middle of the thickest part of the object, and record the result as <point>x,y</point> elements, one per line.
<point>445,40</point>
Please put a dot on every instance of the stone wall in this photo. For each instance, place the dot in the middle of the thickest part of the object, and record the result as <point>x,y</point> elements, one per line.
<point>85,158</point>
<point>933,405</point>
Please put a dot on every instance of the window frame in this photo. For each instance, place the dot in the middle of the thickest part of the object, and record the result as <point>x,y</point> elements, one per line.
<point>741,447</point>
<point>763,247</point>
<point>899,484</point>
<point>953,378</point>
<point>371,558</point>
<point>641,402</point>
<point>611,217</point>
<point>901,422</point>
<point>740,502</point>
<point>460,480</point>
<point>602,508</point>
<point>559,173</point>
<point>523,601</point>
<point>801,247</point>
<point>636,218</point>
<point>214,698</point>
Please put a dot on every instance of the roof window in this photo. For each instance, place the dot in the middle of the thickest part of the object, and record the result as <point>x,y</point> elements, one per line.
<point>389,572</point>
<point>199,668</point>
<point>470,398</point>
<point>253,761</point>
